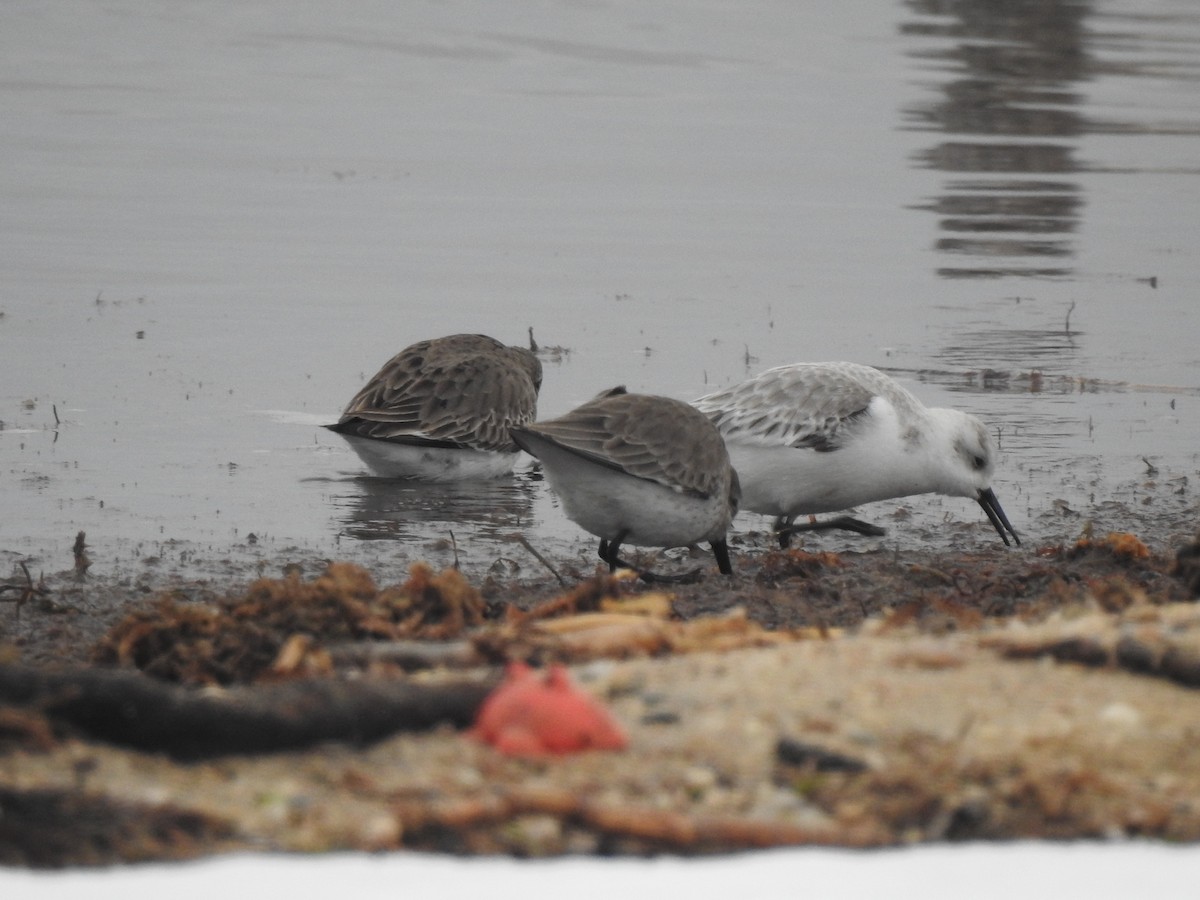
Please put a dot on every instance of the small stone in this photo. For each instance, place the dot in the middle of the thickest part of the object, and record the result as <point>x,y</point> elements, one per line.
<point>1121,714</point>
<point>699,779</point>
<point>536,835</point>
<point>798,753</point>
<point>380,832</point>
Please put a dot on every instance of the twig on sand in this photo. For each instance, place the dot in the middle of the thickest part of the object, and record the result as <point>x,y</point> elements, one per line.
<point>24,592</point>
<point>523,541</point>
<point>665,829</point>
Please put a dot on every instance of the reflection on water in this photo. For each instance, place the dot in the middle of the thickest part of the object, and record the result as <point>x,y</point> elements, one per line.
<point>1014,69</point>
<point>384,509</point>
<point>1031,381</point>
<point>1009,96</point>
<point>1013,350</point>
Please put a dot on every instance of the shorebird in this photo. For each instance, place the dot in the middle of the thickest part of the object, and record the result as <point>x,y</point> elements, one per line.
<point>638,469</point>
<point>821,437</point>
<point>441,409</point>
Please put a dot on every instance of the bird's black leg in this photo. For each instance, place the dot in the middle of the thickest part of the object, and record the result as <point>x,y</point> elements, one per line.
<point>610,550</point>
<point>858,526</point>
<point>783,531</point>
<point>721,552</point>
<point>842,523</point>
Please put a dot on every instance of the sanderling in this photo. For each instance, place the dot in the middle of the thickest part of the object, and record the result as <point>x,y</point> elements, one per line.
<point>820,437</point>
<point>637,469</point>
<point>441,409</point>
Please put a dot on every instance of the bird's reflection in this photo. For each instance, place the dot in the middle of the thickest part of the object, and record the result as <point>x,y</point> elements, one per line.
<point>1007,350</point>
<point>1010,113</point>
<point>370,508</point>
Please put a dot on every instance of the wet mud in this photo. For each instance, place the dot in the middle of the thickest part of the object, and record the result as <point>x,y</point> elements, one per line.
<point>839,654</point>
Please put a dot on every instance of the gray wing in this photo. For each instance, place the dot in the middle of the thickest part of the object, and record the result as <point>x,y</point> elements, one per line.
<point>656,438</point>
<point>807,405</point>
<point>464,390</point>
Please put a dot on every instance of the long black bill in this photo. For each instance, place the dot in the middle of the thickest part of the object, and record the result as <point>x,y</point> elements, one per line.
<point>991,506</point>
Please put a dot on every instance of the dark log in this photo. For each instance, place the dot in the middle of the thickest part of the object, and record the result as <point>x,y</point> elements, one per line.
<point>129,709</point>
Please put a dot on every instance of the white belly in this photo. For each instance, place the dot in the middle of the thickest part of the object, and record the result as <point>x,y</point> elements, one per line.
<point>612,505</point>
<point>786,481</point>
<point>393,460</point>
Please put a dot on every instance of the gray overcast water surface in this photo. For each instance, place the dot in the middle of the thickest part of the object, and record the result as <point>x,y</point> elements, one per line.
<point>220,218</point>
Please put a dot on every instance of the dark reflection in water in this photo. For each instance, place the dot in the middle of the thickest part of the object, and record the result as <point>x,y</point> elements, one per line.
<point>1012,349</point>
<point>1036,380</point>
<point>1012,100</point>
<point>1008,99</point>
<point>383,509</point>
<point>1005,381</point>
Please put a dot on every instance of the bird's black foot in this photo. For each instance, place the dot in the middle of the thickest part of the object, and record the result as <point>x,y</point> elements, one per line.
<point>609,552</point>
<point>784,531</point>
<point>689,577</point>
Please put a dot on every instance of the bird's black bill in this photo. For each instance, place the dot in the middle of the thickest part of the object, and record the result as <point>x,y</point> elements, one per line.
<point>991,506</point>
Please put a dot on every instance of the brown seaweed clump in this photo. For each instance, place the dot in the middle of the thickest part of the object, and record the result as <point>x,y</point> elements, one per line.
<point>796,563</point>
<point>241,637</point>
<point>1120,545</point>
<point>48,828</point>
<point>1187,566</point>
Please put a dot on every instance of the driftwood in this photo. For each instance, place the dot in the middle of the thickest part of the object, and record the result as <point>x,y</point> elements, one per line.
<point>23,592</point>
<point>1160,641</point>
<point>660,829</point>
<point>131,710</point>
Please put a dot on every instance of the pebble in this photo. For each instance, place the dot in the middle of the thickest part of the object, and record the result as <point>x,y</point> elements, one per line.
<point>1122,715</point>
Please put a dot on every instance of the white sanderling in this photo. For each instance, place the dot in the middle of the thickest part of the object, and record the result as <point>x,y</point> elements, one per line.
<point>638,469</point>
<point>821,437</point>
<point>441,409</point>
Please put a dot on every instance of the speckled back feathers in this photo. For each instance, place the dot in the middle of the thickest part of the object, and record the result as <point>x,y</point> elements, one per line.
<point>462,390</point>
<point>656,438</point>
<point>813,405</point>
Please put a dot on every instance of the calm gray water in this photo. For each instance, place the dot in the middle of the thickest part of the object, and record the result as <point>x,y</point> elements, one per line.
<point>219,218</point>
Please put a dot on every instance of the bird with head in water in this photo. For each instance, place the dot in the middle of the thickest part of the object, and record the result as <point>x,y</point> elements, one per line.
<point>441,409</point>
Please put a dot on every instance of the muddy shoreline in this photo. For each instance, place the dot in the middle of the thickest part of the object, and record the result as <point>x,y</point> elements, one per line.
<point>909,665</point>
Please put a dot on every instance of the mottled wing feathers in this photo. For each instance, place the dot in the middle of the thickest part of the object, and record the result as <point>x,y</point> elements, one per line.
<point>807,405</point>
<point>656,438</point>
<point>463,390</point>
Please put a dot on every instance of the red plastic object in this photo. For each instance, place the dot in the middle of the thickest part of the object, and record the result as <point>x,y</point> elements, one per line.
<point>530,714</point>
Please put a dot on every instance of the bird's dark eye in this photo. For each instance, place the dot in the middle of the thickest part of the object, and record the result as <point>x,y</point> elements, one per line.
<point>979,462</point>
